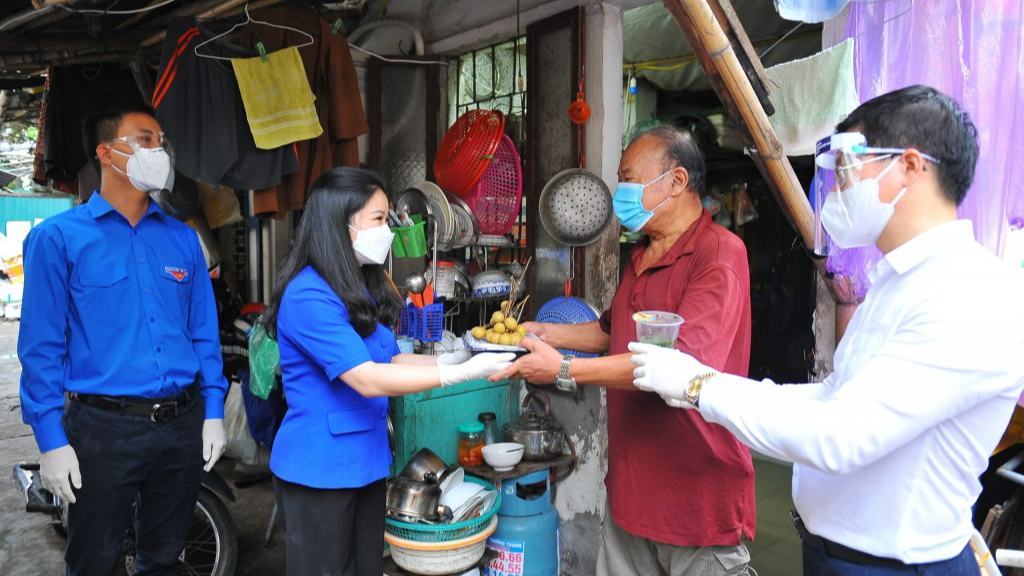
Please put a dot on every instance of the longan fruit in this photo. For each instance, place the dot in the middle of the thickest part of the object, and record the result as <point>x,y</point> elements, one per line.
<point>499,328</point>
<point>479,332</point>
<point>497,317</point>
<point>505,339</point>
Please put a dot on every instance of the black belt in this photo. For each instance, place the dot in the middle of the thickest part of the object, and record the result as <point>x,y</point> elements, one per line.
<point>837,550</point>
<point>156,409</point>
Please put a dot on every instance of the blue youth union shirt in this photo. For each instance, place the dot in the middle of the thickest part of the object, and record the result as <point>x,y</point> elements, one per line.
<point>331,436</point>
<point>114,310</point>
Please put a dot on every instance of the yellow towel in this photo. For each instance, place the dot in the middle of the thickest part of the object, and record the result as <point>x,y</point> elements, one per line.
<point>278,101</point>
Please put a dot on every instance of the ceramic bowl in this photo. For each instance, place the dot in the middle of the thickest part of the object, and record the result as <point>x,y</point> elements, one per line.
<point>503,456</point>
<point>491,283</point>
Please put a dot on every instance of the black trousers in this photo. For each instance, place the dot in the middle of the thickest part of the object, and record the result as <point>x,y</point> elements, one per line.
<point>337,532</point>
<point>122,457</point>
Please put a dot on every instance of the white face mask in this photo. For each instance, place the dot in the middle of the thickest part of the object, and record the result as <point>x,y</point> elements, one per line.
<point>857,216</point>
<point>148,169</point>
<point>372,245</point>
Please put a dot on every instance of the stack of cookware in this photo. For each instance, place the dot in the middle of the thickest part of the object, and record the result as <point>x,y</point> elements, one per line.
<point>419,526</point>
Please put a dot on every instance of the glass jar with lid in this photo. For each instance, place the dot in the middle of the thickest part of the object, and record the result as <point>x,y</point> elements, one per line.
<point>471,443</point>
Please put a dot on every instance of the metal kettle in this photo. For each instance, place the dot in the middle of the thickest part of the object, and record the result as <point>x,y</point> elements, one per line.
<point>541,435</point>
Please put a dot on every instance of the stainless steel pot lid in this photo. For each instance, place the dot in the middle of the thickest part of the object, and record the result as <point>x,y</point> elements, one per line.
<point>575,207</point>
<point>441,209</point>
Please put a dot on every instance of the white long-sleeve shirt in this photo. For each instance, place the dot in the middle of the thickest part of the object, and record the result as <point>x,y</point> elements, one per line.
<point>889,448</point>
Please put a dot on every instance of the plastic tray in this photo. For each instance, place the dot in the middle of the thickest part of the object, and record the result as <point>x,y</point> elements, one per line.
<point>480,346</point>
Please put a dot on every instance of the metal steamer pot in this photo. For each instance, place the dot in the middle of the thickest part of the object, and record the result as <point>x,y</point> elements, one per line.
<point>542,436</point>
<point>411,500</point>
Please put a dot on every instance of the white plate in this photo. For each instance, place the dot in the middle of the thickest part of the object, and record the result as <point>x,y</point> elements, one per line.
<point>460,494</point>
<point>444,215</point>
<point>489,499</point>
<point>452,480</point>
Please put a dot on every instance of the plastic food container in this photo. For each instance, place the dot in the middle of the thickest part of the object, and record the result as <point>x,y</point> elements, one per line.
<point>658,328</point>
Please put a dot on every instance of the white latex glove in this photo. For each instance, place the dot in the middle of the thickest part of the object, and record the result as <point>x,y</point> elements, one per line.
<point>665,371</point>
<point>55,467</point>
<point>452,358</point>
<point>476,368</point>
<point>214,441</point>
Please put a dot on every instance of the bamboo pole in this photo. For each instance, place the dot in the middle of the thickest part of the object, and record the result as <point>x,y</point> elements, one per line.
<point>213,13</point>
<point>137,17</point>
<point>40,4</point>
<point>717,57</point>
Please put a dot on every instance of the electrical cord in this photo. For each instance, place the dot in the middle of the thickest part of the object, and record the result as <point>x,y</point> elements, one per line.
<point>118,12</point>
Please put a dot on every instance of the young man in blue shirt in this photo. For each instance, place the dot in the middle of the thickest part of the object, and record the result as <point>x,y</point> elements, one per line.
<point>119,314</point>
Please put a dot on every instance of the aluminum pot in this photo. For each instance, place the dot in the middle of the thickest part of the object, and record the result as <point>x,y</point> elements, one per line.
<point>424,464</point>
<point>541,435</point>
<point>414,501</point>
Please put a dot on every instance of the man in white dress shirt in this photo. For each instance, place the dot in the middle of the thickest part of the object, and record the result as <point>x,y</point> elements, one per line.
<point>887,451</point>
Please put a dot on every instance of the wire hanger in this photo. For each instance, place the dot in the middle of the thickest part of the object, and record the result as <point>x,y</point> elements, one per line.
<point>259,45</point>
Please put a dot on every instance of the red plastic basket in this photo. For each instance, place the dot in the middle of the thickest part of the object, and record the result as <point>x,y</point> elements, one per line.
<point>496,197</point>
<point>467,148</point>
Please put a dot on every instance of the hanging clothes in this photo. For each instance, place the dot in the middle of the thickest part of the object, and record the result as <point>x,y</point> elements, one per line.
<point>200,108</point>
<point>803,110</point>
<point>277,98</point>
<point>332,77</point>
<point>74,93</point>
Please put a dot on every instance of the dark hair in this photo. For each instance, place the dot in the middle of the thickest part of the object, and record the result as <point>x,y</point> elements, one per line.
<point>680,150</point>
<point>103,126</point>
<point>921,117</point>
<point>322,241</point>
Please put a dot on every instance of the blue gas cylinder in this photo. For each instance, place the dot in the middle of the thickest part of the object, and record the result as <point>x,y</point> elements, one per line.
<point>527,538</point>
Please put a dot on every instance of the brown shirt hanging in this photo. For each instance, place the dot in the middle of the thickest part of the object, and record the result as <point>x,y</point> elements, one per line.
<point>332,78</point>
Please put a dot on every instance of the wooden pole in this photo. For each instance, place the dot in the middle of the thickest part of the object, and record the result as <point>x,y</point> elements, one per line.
<point>212,13</point>
<point>40,4</point>
<point>718,58</point>
<point>137,17</point>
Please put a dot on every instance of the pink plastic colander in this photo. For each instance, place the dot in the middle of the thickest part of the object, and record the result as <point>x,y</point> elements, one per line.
<point>496,197</point>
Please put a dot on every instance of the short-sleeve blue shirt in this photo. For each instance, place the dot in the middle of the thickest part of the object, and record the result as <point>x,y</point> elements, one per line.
<point>332,436</point>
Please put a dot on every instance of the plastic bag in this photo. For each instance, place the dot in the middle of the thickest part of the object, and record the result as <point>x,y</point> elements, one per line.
<point>745,211</point>
<point>264,361</point>
<point>220,205</point>
<point>240,444</point>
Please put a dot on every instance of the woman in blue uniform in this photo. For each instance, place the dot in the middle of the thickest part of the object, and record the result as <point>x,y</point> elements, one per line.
<point>332,313</point>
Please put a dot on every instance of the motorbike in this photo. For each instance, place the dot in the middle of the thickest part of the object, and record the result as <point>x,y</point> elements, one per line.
<point>211,548</point>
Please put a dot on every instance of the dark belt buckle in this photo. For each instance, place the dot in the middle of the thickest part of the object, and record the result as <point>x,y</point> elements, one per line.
<point>163,412</point>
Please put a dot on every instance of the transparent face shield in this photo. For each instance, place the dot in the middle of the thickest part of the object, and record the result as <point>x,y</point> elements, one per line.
<point>839,161</point>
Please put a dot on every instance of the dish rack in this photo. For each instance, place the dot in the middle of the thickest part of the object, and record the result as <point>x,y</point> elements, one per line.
<point>424,324</point>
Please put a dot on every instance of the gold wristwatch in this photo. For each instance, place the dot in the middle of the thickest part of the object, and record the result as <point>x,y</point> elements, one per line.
<point>694,386</point>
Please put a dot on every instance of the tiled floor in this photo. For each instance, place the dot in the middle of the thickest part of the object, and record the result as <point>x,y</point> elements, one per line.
<point>776,551</point>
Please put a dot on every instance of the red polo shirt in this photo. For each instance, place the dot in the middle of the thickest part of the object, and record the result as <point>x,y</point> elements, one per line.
<point>672,477</point>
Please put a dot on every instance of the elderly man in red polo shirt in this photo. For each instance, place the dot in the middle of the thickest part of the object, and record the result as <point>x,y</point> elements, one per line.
<point>680,490</point>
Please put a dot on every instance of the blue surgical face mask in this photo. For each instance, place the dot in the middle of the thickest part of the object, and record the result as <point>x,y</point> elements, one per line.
<point>629,206</point>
